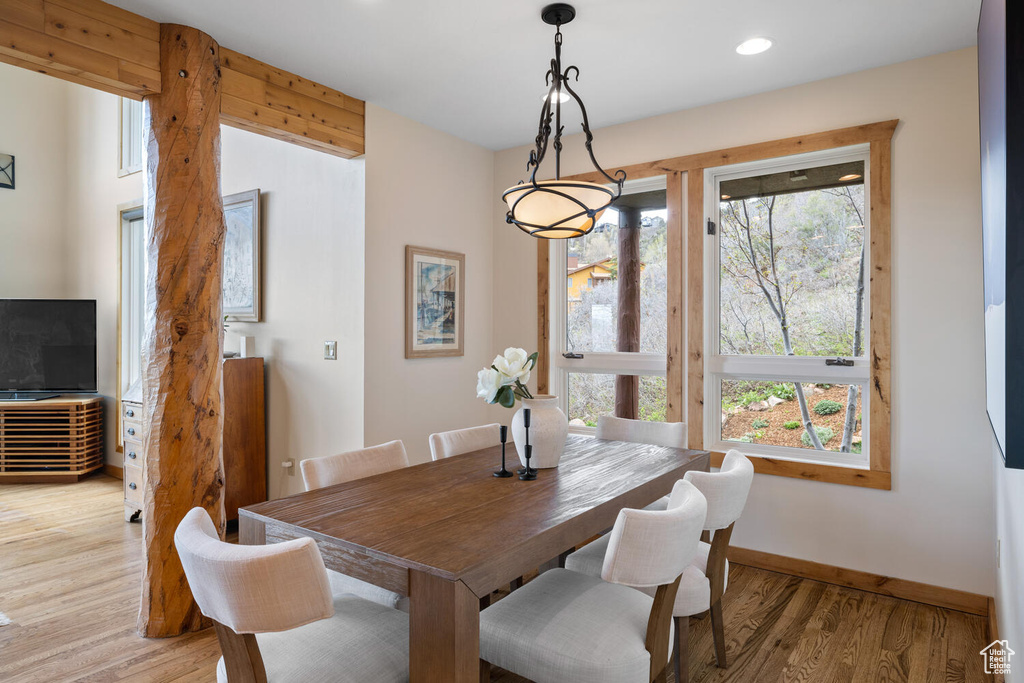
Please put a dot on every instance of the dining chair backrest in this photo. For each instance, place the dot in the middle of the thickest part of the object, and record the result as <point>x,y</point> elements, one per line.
<point>252,588</point>
<point>364,462</point>
<point>648,548</point>
<point>669,434</point>
<point>726,490</point>
<point>459,441</point>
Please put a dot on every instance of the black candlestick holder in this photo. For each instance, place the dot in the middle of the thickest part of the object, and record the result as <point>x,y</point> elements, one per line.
<point>503,430</point>
<point>527,473</point>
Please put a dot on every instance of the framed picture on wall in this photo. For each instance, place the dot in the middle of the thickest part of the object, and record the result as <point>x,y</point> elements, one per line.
<point>242,257</point>
<point>435,295</point>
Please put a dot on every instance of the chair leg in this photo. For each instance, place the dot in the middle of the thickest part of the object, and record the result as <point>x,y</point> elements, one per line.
<point>485,602</point>
<point>682,654</point>
<point>718,630</point>
<point>485,671</point>
<point>562,557</point>
<point>516,583</point>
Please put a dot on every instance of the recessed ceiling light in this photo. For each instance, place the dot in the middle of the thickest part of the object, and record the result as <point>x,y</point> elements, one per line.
<point>725,196</point>
<point>563,97</point>
<point>851,176</point>
<point>754,46</point>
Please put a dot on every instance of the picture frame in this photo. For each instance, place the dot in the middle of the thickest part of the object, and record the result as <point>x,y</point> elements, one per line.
<point>1000,97</point>
<point>242,262</point>
<point>7,171</point>
<point>435,296</point>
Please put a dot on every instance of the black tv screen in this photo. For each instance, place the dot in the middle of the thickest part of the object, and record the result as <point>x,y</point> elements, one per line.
<point>47,345</point>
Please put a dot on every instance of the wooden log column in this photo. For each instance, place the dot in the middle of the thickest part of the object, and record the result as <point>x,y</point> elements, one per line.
<point>185,229</point>
<point>627,387</point>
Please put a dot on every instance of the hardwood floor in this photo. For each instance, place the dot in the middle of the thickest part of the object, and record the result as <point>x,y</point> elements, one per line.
<point>70,580</point>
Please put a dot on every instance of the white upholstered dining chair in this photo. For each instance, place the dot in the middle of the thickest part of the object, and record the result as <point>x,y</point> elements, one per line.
<point>363,462</point>
<point>275,618</point>
<point>670,434</point>
<point>704,582</point>
<point>459,441</point>
<point>339,469</point>
<point>568,627</point>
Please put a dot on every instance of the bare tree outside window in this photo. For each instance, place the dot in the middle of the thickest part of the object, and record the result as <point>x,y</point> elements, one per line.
<point>792,284</point>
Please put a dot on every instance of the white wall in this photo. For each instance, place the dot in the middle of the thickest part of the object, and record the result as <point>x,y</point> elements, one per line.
<point>936,525</point>
<point>60,234</point>
<point>428,189</point>
<point>1009,500</point>
<point>312,216</point>
<point>33,112</point>
<point>90,213</point>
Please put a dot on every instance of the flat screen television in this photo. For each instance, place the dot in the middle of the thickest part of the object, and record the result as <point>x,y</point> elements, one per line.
<point>47,345</point>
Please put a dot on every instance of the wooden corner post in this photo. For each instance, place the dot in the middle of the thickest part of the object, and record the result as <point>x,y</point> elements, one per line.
<point>184,333</point>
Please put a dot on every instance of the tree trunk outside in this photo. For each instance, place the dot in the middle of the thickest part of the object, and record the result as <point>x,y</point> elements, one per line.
<point>787,345</point>
<point>627,387</point>
<point>798,389</point>
<point>184,328</point>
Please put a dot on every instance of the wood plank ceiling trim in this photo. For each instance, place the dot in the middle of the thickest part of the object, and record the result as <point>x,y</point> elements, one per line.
<point>83,41</point>
<point>264,99</point>
<point>92,43</point>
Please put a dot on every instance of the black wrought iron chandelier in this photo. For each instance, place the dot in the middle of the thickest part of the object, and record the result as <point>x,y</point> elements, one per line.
<point>559,209</point>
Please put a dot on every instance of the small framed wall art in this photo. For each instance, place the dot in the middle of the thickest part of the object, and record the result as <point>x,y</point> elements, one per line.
<point>242,257</point>
<point>435,302</point>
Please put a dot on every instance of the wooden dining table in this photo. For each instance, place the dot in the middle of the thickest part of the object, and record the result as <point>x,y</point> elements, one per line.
<point>448,533</point>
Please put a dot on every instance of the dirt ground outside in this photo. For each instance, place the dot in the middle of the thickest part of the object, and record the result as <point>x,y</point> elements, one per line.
<point>740,422</point>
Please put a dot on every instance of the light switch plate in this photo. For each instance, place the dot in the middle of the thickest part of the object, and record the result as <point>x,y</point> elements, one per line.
<point>330,350</point>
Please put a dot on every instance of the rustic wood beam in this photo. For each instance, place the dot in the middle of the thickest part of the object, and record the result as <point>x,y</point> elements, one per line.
<point>83,41</point>
<point>263,99</point>
<point>182,371</point>
<point>92,43</point>
<point>676,304</point>
<point>627,387</point>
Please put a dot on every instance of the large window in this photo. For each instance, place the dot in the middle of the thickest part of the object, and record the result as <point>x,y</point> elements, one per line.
<point>787,308</point>
<point>611,311</point>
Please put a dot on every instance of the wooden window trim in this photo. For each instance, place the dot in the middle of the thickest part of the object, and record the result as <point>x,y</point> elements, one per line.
<point>688,302</point>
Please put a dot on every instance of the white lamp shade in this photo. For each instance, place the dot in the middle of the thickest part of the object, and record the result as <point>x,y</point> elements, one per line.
<point>552,215</point>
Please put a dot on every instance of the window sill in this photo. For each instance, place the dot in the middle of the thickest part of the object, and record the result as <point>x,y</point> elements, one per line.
<point>831,474</point>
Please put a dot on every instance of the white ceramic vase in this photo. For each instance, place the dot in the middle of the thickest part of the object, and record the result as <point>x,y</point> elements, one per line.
<point>548,430</point>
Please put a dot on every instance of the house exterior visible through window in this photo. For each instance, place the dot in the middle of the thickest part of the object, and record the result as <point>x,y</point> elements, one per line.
<point>612,312</point>
<point>787,308</point>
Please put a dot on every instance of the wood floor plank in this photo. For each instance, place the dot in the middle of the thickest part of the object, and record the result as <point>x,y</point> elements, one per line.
<point>70,572</point>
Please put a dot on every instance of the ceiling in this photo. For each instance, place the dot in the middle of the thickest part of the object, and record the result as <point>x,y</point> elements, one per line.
<point>475,68</point>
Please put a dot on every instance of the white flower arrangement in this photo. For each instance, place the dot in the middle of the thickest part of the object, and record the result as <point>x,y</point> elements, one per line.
<point>506,379</point>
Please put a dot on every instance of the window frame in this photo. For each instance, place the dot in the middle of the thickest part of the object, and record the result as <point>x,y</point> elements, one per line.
<point>130,139</point>
<point>593,362</point>
<point>126,213</point>
<point>719,366</point>
<point>685,334</point>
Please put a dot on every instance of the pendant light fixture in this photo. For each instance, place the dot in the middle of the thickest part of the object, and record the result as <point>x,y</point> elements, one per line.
<point>559,209</point>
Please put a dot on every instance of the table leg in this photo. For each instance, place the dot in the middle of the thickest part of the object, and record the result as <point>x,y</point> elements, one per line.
<point>251,531</point>
<point>444,630</point>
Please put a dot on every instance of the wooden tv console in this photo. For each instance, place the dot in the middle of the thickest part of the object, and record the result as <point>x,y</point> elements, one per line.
<point>245,445</point>
<point>55,440</point>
